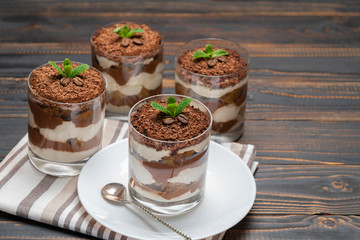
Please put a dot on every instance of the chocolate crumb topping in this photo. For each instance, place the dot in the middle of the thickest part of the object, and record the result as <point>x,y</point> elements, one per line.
<point>48,83</point>
<point>107,42</point>
<point>149,122</point>
<point>232,65</point>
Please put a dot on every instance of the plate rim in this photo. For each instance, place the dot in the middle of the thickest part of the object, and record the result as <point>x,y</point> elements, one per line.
<point>125,140</point>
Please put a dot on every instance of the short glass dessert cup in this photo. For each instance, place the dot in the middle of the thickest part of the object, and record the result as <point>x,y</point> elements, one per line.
<point>63,136</point>
<point>129,78</point>
<point>224,95</point>
<point>168,177</point>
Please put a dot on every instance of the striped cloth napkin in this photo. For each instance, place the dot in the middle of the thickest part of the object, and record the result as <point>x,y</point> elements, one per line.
<point>26,192</point>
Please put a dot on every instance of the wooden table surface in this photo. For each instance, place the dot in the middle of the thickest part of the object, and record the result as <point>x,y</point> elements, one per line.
<point>303,107</point>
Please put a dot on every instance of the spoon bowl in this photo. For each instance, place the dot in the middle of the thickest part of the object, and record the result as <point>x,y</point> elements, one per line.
<point>116,193</point>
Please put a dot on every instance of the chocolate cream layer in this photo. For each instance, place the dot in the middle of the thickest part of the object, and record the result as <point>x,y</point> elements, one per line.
<point>165,182</point>
<point>226,104</point>
<point>65,135</point>
<point>129,82</point>
<point>164,167</point>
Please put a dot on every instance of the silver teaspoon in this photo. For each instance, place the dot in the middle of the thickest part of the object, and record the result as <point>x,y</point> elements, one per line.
<point>116,192</point>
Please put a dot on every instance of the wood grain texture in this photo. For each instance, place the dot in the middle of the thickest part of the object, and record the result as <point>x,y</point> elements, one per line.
<point>283,22</point>
<point>303,105</point>
<point>289,227</point>
<point>305,190</point>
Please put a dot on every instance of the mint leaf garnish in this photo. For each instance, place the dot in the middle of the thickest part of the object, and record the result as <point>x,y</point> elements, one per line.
<point>57,68</point>
<point>78,70</point>
<point>69,74</point>
<point>219,52</point>
<point>172,108</point>
<point>182,105</point>
<point>200,54</point>
<point>209,48</point>
<point>67,67</point>
<point>125,31</point>
<point>209,52</point>
<point>160,107</point>
<point>133,31</point>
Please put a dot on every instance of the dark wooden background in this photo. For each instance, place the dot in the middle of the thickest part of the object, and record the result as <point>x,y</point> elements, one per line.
<point>303,109</point>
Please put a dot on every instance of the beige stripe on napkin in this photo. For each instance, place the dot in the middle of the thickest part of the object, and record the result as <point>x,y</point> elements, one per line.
<point>55,201</point>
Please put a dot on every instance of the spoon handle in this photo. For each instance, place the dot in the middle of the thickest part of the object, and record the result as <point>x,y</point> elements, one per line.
<point>162,221</point>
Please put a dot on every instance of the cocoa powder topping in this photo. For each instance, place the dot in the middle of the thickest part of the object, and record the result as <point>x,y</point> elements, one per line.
<point>109,43</point>
<point>231,69</point>
<point>225,65</point>
<point>150,122</point>
<point>48,83</point>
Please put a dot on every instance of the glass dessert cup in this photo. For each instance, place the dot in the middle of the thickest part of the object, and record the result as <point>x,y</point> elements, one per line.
<point>224,95</point>
<point>63,136</point>
<point>129,78</point>
<point>168,176</point>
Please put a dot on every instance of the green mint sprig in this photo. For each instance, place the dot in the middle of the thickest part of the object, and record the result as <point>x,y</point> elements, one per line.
<point>68,71</point>
<point>172,109</point>
<point>125,31</point>
<point>209,52</point>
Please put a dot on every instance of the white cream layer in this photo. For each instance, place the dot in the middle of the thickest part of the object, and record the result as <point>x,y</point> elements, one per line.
<point>62,156</point>
<point>151,154</point>
<point>107,63</point>
<point>189,174</point>
<point>210,92</point>
<point>227,113</point>
<point>136,82</point>
<point>68,130</point>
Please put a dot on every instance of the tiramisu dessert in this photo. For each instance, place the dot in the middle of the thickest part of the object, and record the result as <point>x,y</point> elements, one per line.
<point>130,56</point>
<point>215,72</point>
<point>168,151</point>
<point>66,112</point>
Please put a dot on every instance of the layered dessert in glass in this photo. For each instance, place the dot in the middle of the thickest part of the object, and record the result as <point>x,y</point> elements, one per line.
<point>168,155</point>
<point>65,120</point>
<point>133,66</point>
<point>219,82</point>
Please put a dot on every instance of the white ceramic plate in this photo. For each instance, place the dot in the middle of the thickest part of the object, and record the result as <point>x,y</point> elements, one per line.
<point>229,195</point>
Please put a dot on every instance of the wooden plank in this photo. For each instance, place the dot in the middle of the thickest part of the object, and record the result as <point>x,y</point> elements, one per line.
<point>304,142</point>
<point>246,22</point>
<point>304,190</point>
<point>294,8</point>
<point>243,28</point>
<point>281,227</point>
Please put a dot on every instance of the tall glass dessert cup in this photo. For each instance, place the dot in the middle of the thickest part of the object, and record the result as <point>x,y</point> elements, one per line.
<point>220,83</point>
<point>65,120</point>
<point>133,66</point>
<point>168,156</point>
